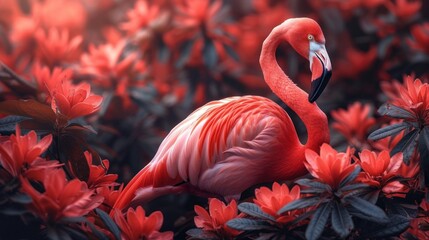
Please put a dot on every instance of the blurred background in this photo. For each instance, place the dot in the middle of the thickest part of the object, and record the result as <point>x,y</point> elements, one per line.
<point>154,62</point>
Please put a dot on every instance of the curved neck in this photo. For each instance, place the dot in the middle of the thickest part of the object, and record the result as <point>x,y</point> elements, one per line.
<point>313,118</point>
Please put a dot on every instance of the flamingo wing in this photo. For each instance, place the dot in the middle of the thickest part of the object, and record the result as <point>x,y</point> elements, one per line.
<point>221,142</point>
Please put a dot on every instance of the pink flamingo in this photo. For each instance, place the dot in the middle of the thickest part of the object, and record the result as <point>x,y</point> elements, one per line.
<point>229,145</point>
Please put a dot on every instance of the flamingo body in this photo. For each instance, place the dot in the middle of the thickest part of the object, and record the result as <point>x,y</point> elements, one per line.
<point>226,146</point>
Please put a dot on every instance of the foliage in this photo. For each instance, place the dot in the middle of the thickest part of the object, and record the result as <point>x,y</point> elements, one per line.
<point>92,87</point>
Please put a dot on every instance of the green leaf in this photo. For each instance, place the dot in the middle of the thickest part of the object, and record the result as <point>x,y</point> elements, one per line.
<point>110,224</point>
<point>352,187</point>
<point>231,52</point>
<point>14,210</point>
<point>21,198</point>
<point>254,211</point>
<point>384,45</point>
<point>313,184</point>
<point>396,225</point>
<point>200,234</point>
<point>341,220</point>
<point>393,111</point>
<point>299,203</point>
<point>407,145</point>
<point>74,233</point>
<point>100,235</point>
<point>244,224</point>
<point>351,177</point>
<point>317,224</point>
<point>185,53</point>
<point>29,108</point>
<point>210,56</point>
<point>366,210</point>
<point>163,52</point>
<point>8,123</point>
<point>388,131</point>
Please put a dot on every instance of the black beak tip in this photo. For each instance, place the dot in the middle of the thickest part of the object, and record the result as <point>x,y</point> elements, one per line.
<point>318,85</point>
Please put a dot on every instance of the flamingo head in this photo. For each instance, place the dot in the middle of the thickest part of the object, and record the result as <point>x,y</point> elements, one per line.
<point>306,37</point>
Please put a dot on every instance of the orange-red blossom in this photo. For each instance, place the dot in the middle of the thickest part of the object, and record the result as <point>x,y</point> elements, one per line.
<point>330,167</point>
<point>271,201</point>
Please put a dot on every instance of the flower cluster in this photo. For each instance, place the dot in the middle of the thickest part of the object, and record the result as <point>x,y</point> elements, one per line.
<point>82,82</point>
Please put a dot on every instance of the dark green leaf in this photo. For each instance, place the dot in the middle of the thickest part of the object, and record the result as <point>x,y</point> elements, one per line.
<point>299,204</point>
<point>110,224</point>
<point>341,220</point>
<point>107,99</point>
<point>14,210</point>
<point>254,211</point>
<point>367,210</point>
<point>388,131</point>
<point>57,234</point>
<point>244,224</point>
<point>396,225</point>
<point>21,198</point>
<point>100,235</point>
<point>73,220</point>
<point>351,177</point>
<point>355,186</point>
<point>231,52</point>
<point>185,53</point>
<point>303,216</point>
<point>210,56</point>
<point>74,233</point>
<point>163,52</point>
<point>395,112</point>
<point>407,145</point>
<point>197,233</point>
<point>313,184</point>
<point>384,45</point>
<point>317,224</point>
<point>8,123</point>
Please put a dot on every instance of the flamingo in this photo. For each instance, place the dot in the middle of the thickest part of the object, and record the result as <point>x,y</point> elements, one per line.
<point>229,145</point>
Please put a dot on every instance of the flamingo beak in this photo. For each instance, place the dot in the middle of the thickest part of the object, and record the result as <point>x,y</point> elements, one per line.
<point>321,70</point>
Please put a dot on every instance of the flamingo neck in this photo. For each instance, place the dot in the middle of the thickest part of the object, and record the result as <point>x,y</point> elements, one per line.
<point>295,98</point>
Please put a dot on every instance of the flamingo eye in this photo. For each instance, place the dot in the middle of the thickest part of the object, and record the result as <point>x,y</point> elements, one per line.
<point>310,37</point>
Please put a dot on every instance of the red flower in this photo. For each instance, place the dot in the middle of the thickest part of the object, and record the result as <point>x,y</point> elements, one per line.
<point>216,218</point>
<point>110,196</point>
<point>75,100</point>
<point>412,96</point>
<point>378,169</point>
<point>271,201</point>
<point>420,37</point>
<point>22,34</point>
<point>137,226</point>
<point>354,123</point>
<point>98,176</point>
<point>103,62</point>
<point>201,20</point>
<point>61,198</point>
<point>48,80</point>
<point>61,14</point>
<point>329,167</point>
<point>404,9</point>
<point>353,61</point>
<point>20,155</point>
<point>144,15</point>
<point>57,46</point>
<point>66,98</point>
